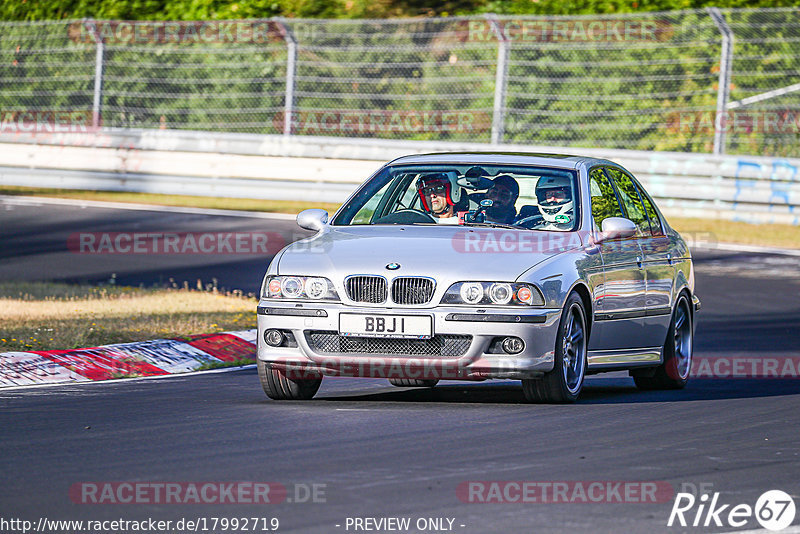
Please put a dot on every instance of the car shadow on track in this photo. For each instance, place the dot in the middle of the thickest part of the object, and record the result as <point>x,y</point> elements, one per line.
<point>597,391</point>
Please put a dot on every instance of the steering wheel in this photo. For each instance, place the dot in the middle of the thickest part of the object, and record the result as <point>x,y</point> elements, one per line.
<point>406,216</point>
<point>530,222</point>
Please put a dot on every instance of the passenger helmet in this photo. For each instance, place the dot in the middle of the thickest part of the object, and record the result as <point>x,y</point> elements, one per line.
<point>551,210</point>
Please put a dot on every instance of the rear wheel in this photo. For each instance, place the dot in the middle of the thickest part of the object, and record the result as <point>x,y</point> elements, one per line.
<point>564,383</point>
<point>674,372</point>
<point>413,382</point>
<point>278,386</point>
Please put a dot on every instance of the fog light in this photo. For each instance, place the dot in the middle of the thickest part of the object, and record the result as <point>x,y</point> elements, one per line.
<point>274,338</point>
<point>513,345</point>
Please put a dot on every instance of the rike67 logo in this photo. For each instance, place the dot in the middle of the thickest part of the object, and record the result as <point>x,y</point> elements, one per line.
<point>774,510</point>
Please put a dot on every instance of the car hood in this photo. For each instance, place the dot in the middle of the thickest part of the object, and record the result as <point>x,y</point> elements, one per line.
<point>447,253</point>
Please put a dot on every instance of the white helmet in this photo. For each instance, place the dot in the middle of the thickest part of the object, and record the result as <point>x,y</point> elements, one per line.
<point>558,210</point>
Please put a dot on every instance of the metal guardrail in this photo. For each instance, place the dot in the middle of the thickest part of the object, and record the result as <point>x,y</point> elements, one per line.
<point>319,169</point>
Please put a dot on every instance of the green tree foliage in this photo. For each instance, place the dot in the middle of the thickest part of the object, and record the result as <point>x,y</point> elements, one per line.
<point>234,9</point>
<point>656,90</point>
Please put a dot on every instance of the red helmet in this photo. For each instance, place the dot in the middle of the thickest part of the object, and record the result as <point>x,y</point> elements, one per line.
<point>441,183</point>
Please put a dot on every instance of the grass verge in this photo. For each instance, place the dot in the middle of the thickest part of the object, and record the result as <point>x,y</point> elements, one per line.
<point>243,204</point>
<point>223,365</point>
<point>712,230</point>
<point>48,316</point>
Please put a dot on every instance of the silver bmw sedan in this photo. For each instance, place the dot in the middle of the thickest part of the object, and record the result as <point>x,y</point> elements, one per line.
<point>473,266</point>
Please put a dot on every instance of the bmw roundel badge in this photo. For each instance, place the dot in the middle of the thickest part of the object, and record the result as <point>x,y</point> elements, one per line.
<point>393,266</point>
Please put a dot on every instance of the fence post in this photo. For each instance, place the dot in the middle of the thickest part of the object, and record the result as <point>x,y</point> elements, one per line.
<point>97,99</point>
<point>500,81</point>
<point>291,72</point>
<point>723,91</point>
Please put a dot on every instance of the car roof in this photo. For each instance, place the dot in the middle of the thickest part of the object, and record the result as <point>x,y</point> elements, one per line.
<point>501,158</point>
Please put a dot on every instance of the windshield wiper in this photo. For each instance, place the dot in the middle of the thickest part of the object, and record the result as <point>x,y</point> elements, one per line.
<point>494,225</point>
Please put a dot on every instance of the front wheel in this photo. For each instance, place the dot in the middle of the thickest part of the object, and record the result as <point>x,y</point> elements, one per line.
<point>564,383</point>
<point>278,386</point>
<point>673,373</point>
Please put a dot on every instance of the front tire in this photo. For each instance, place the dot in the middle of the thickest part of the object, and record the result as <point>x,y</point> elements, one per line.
<point>413,382</point>
<point>674,372</point>
<point>564,383</point>
<point>278,386</point>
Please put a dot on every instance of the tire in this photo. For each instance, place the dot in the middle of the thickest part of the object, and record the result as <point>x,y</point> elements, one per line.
<point>278,386</point>
<point>673,373</point>
<point>564,383</point>
<point>413,382</point>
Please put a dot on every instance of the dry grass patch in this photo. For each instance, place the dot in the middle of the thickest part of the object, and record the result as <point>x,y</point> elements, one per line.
<point>46,316</point>
<point>711,230</point>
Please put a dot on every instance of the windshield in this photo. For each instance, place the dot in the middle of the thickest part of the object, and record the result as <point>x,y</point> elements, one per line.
<point>532,198</point>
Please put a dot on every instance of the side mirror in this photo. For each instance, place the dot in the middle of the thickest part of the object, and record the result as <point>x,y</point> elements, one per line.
<point>615,228</point>
<point>313,219</point>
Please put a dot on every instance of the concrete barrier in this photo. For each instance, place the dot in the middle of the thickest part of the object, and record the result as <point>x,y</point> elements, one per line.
<point>322,169</point>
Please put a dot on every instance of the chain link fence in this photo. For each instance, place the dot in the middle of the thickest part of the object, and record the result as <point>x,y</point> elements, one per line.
<point>721,81</point>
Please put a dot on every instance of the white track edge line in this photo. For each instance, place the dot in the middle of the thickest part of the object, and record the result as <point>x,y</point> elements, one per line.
<point>736,247</point>
<point>34,201</point>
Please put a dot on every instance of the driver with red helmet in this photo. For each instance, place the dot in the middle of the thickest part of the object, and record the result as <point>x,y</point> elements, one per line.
<point>441,196</point>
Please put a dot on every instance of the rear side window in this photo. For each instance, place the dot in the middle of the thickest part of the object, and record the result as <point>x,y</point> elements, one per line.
<point>604,201</point>
<point>631,201</point>
<point>652,214</point>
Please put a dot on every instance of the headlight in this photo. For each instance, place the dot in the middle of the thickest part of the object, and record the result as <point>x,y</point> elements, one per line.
<point>471,292</point>
<point>292,287</point>
<point>316,287</point>
<point>500,293</point>
<point>298,288</point>
<point>493,294</point>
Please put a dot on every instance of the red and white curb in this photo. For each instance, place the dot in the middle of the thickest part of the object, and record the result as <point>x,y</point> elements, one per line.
<point>141,359</point>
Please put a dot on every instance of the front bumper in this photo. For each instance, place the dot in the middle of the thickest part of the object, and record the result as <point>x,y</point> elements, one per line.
<point>478,358</point>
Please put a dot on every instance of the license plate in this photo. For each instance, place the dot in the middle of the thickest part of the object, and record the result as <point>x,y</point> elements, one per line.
<point>394,326</point>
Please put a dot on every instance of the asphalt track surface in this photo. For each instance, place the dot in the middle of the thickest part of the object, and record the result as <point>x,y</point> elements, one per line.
<point>384,452</point>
